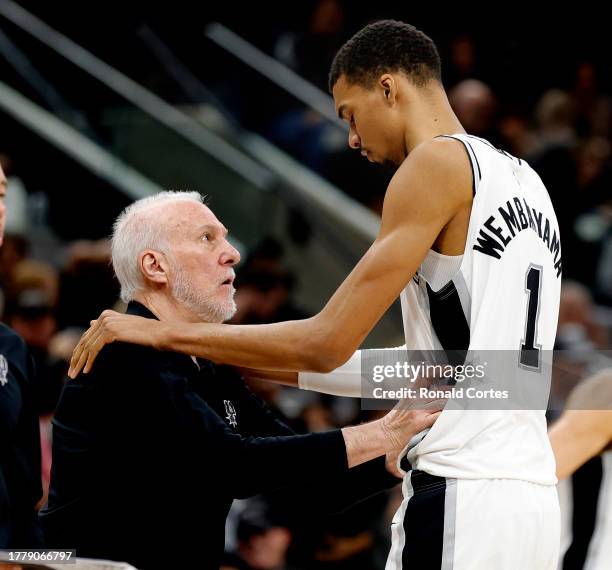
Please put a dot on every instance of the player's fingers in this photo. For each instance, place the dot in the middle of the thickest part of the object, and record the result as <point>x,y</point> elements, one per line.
<point>74,359</point>
<point>78,360</point>
<point>79,355</point>
<point>91,356</point>
<point>94,347</point>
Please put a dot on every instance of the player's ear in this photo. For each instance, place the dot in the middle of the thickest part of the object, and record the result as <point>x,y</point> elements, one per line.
<point>154,266</point>
<point>388,86</point>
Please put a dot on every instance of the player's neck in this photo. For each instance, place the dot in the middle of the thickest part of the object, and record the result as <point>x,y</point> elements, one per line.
<point>165,308</point>
<point>431,118</point>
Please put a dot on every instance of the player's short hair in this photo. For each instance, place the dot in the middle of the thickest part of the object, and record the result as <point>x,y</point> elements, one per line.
<point>386,46</point>
<point>138,228</point>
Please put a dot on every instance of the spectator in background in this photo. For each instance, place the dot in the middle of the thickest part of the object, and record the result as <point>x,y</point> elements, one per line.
<point>461,60</point>
<point>578,326</point>
<point>87,283</point>
<point>263,537</point>
<point>475,105</point>
<point>264,287</point>
<point>592,108</point>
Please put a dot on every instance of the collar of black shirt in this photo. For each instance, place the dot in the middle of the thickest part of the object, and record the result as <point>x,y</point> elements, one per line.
<point>140,310</point>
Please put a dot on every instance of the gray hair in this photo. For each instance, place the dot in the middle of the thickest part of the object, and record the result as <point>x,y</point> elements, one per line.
<point>136,230</point>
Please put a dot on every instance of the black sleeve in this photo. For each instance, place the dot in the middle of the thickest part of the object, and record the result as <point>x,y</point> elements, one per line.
<point>251,465</point>
<point>256,417</point>
<point>334,493</point>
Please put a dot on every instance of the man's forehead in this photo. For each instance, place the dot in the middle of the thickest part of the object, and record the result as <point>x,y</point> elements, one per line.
<point>195,215</point>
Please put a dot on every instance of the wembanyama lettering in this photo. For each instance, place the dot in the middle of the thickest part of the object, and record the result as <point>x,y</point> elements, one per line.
<point>517,216</point>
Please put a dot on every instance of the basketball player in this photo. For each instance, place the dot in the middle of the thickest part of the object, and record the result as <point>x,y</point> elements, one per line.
<point>470,242</point>
<point>582,442</point>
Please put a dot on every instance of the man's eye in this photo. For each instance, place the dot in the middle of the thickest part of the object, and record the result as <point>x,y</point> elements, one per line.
<point>206,237</point>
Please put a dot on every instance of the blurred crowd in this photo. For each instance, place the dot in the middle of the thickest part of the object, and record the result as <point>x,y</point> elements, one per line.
<point>51,290</point>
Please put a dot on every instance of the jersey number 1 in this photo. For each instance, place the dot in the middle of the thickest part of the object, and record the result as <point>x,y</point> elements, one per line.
<point>530,351</point>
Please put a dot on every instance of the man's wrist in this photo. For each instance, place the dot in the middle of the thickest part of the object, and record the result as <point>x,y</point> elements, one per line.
<point>162,336</point>
<point>365,442</point>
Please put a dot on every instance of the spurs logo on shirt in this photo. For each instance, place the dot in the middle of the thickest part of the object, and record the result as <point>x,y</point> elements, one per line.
<point>3,370</point>
<point>231,413</point>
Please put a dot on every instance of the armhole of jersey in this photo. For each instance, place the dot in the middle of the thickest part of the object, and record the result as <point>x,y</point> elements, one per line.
<point>476,174</point>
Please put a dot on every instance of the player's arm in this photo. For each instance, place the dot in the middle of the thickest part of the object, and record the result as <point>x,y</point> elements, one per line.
<point>432,184</point>
<point>578,436</point>
<point>346,380</point>
<point>585,427</point>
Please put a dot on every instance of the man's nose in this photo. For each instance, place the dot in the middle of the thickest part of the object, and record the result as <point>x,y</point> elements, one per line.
<point>231,256</point>
<point>353,140</point>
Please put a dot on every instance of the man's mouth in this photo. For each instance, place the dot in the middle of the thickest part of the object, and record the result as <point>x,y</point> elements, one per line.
<point>228,281</point>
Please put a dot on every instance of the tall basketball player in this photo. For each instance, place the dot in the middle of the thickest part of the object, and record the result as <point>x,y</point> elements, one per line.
<point>470,242</point>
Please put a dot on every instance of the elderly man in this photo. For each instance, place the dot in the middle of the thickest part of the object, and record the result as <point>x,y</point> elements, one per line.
<point>151,448</point>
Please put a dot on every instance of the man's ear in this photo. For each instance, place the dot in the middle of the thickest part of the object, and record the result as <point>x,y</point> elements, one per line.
<point>154,266</point>
<point>388,85</point>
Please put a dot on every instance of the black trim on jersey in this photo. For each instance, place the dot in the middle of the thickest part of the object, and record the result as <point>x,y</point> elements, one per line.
<point>424,522</point>
<point>465,145</point>
<point>449,322</point>
<point>586,487</point>
<point>476,159</point>
<point>506,154</point>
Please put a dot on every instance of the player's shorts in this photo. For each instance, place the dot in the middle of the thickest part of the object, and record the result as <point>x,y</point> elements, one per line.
<point>475,524</point>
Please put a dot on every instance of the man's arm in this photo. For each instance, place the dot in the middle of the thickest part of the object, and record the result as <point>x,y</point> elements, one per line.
<point>578,436</point>
<point>273,462</point>
<point>344,381</point>
<point>336,493</point>
<point>585,427</point>
<point>430,187</point>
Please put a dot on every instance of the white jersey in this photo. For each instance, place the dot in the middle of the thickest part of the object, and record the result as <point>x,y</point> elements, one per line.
<point>502,294</point>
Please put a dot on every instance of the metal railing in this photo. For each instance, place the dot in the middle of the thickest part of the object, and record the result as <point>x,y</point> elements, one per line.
<point>148,102</point>
<point>77,146</point>
<point>275,71</point>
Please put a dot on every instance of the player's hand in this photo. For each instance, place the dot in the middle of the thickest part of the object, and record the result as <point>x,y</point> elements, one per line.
<point>109,327</point>
<point>391,460</point>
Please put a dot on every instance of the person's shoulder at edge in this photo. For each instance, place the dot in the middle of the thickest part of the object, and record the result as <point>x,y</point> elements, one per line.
<point>10,340</point>
<point>14,349</point>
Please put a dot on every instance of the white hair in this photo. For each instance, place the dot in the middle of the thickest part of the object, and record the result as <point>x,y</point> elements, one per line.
<point>137,229</point>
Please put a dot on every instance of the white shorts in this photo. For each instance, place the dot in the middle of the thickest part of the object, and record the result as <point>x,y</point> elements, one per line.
<point>475,524</point>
